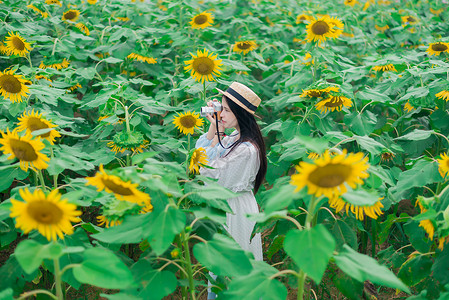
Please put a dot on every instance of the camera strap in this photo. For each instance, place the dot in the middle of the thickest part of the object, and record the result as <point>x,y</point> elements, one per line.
<point>218,133</point>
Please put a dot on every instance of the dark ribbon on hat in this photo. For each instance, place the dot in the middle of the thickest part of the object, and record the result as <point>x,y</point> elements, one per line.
<point>241,99</point>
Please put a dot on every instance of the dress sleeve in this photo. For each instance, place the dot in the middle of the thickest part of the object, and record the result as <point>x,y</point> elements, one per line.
<point>236,171</point>
<point>212,152</point>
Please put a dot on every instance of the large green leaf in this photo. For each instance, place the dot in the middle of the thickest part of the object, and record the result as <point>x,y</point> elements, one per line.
<point>30,254</point>
<point>362,267</point>
<point>130,231</point>
<point>223,256</point>
<point>310,249</point>
<point>155,284</point>
<point>102,268</point>
<point>440,268</point>
<point>7,294</point>
<point>361,124</point>
<point>343,234</point>
<point>256,285</point>
<point>414,270</point>
<point>161,228</point>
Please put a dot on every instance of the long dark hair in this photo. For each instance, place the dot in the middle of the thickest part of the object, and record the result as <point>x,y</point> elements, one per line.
<point>250,132</point>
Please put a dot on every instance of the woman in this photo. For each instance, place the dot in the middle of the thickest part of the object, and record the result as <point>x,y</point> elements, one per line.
<point>239,161</point>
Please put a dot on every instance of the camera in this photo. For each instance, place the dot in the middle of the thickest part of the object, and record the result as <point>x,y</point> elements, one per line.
<point>207,110</point>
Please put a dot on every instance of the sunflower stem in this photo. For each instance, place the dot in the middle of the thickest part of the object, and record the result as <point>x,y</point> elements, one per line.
<point>301,280</point>
<point>188,265</point>
<point>187,155</point>
<point>128,128</point>
<point>35,292</point>
<point>54,47</point>
<point>182,274</point>
<point>55,177</point>
<point>204,90</point>
<point>59,294</point>
<point>41,178</point>
<point>310,212</point>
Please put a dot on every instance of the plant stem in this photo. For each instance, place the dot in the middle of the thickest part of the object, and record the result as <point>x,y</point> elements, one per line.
<point>204,90</point>
<point>35,292</point>
<point>55,176</point>
<point>58,282</point>
<point>188,265</point>
<point>41,178</point>
<point>301,280</point>
<point>182,274</point>
<point>310,212</point>
<point>128,128</point>
<point>187,155</point>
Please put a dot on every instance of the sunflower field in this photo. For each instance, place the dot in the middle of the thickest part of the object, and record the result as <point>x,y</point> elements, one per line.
<point>101,195</point>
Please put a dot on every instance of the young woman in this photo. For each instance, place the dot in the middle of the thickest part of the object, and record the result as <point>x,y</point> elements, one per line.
<point>239,162</point>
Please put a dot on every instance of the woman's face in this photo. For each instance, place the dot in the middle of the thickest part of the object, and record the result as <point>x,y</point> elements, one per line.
<point>227,116</point>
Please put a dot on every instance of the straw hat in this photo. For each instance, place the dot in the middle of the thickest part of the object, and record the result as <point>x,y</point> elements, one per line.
<point>242,96</point>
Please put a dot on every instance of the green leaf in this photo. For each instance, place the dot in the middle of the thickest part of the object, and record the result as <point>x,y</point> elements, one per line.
<point>370,145</point>
<point>360,197</point>
<point>281,195</point>
<point>161,228</point>
<point>87,73</point>
<point>440,267</point>
<point>223,256</point>
<point>417,237</point>
<point>416,135</point>
<point>310,249</point>
<point>113,60</point>
<point>7,294</point>
<point>343,234</point>
<point>348,286</point>
<point>102,268</point>
<point>414,270</point>
<point>235,65</point>
<point>256,285</point>
<point>130,231</point>
<point>361,124</point>
<point>30,254</point>
<point>155,284</point>
<point>362,267</point>
<point>374,96</point>
<point>8,175</point>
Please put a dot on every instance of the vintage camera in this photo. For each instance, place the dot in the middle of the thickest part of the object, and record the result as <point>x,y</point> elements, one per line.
<point>208,110</point>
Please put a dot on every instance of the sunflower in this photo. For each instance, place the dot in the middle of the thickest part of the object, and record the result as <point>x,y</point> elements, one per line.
<point>443,95</point>
<point>13,86</point>
<point>71,15</point>
<point>92,1</point>
<point>133,141</point>
<point>202,20</point>
<point>244,46</point>
<point>33,121</point>
<point>443,165</point>
<point>329,176</point>
<point>39,77</point>
<point>73,87</point>
<point>50,215</point>
<point>302,18</point>
<point>203,66</point>
<point>442,241</point>
<point>427,225</point>
<point>26,149</point>
<point>437,11</point>
<point>3,49</point>
<point>372,211</point>
<point>387,155</point>
<point>198,159</point>
<point>123,190</point>
<point>123,19</point>
<point>108,221</point>
<point>58,66</point>
<point>381,28</point>
<point>57,2</point>
<point>83,28</point>
<point>147,207</point>
<point>408,107</point>
<point>351,2</point>
<point>333,102</point>
<point>437,48</point>
<point>138,57</point>
<point>313,155</point>
<point>409,20</point>
<point>387,67</point>
<point>187,122</point>
<point>320,29</point>
<point>16,45</point>
<point>308,60</point>
<point>43,14</point>
<point>318,92</point>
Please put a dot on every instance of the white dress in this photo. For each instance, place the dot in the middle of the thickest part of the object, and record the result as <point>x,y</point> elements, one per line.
<point>236,172</point>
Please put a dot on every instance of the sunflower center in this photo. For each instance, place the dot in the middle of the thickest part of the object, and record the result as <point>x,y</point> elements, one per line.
<point>439,47</point>
<point>45,212</point>
<point>117,189</point>
<point>244,45</point>
<point>188,121</point>
<point>201,19</point>
<point>10,84</point>
<point>314,94</point>
<point>34,124</point>
<point>411,19</point>
<point>203,65</point>
<point>320,28</point>
<point>334,102</point>
<point>23,150</point>
<point>70,15</point>
<point>331,175</point>
<point>17,43</point>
